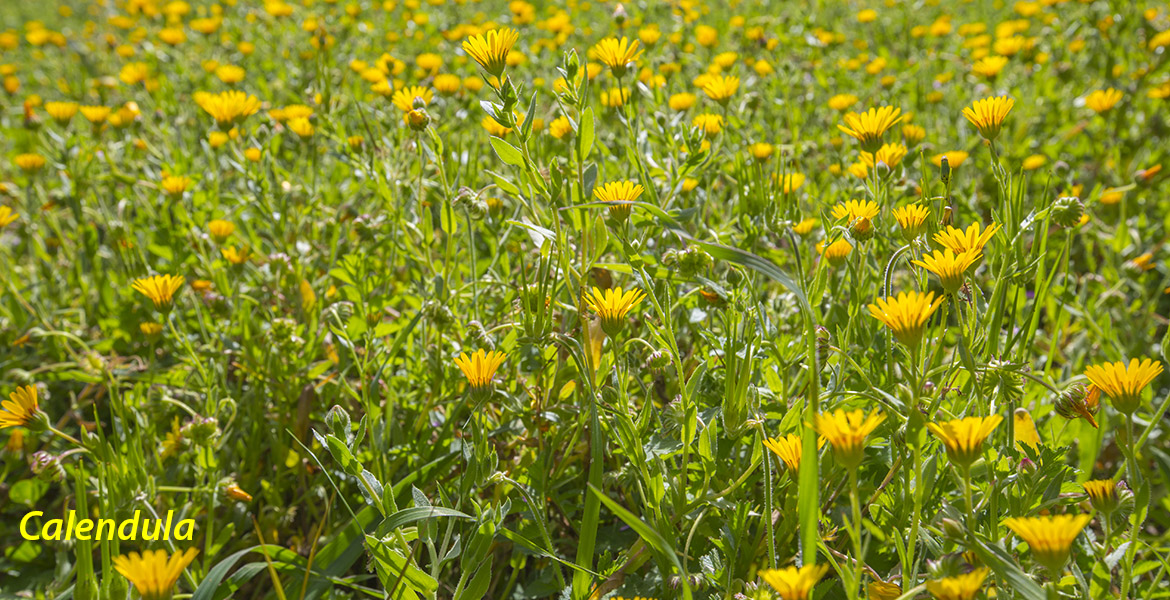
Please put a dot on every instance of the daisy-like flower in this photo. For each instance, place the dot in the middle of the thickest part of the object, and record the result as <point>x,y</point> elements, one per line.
<point>175,185</point>
<point>960,587</point>
<point>479,368</point>
<point>989,66</point>
<point>761,151</point>
<point>958,241</point>
<point>912,219</point>
<point>837,252</point>
<point>617,54</point>
<point>889,154</point>
<point>852,211</point>
<point>7,216</point>
<point>790,182</point>
<point>491,49</point>
<point>988,114</point>
<point>220,230</point>
<point>1080,402</point>
<point>96,115</point>
<point>1050,538</point>
<point>29,163</point>
<point>405,98</point>
<point>153,573</point>
<point>869,127</point>
<point>234,255</point>
<point>949,267</point>
<point>793,583</point>
<point>21,408</point>
<point>721,88</point>
<point>846,431</point>
<point>789,449</point>
<point>710,124</point>
<point>882,590</point>
<point>61,112</point>
<point>617,194</point>
<point>906,314</point>
<point>1102,101</point>
<point>228,108</point>
<point>612,306</point>
<point>160,289</point>
<point>964,437</point>
<point>1102,494</point>
<point>842,102</point>
<point>1124,384</point>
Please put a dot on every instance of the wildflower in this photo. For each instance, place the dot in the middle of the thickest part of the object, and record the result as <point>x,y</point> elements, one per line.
<point>29,163</point>
<point>561,128</point>
<point>869,127</point>
<point>761,151</point>
<point>858,214</point>
<point>1079,402</point>
<point>881,590</point>
<point>96,115</point>
<point>1034,162</point>
<point>446,83</point>
<point>1102,101</point>
<point>1050,538</point>
<point>889,154</point>
<point>1024,430</point>
<point>617,194</point>
<point>153,573</point>
<point>612,306</point>
<point>617,54</point>
<point>836,252</point>
<point>230,74</point>
<point>710,124</point>
<point>479,368</point>
<point>160,289</point>
<point>964,438</point>
<point>959,241</point>
<point>804,227</point>
<point>234,256</point>
<point>793,583</point>
<point>988,114</point>
<point>949,267</point>
<point>21,409</point>
<point>491,49</point>
<point>175,185</point>
<point>842,102</point>
<point>912,219</point>
<point>846,431</point>
<point>960,587</point>
<point>228,108</point>
<point>253,154</point>
<point>615,97</point>
<point>906,314</point>
<point>150,330</point>
<point>681,101</point>
<point>1124,384</point>
<point>721,88</point>
<point>235,492</point>
<point>953,158</point>
<point>61,112</point>
<point>912,134</point>
<point>789,449</point>
<point>220,230</point>
<point>406,98</point>
<point>7,216</point>
<point>790,182</point>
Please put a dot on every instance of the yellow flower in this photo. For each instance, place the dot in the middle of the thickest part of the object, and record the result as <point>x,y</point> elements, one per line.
<point>912,219</point>
<point>790,182</point>
<point>220,230</point>
<point>890,154</point>
<point>949,267</point>
<point>234,256</point>
<point>617,194</point>
<point>159,288</point>
<point>1102,494</point>
<point>1103,100</point>
<point>150,329</point>
<point>988,114</point>
<point>228,108</point>
<point>836,252</point>
<point>954,158</point>
<point>561,128</point>
<point>95,114</point>
<point>20,408</point>
<point>720,88</point>
<point>859,216</point>
<point>906,314</point>
<point>61,112</point>
<point>491,49</point>
<point>869,127</point>
<point>612,306</point>
<point>959,241</point>
<point>446,83</point>
<point>842,102</point>
<point>480,367</point>
<point>29,163</point>
<point>960,587</point>
<point>406,97</point>
<point>1034,162</point>
<point>175,185</point>
<point>681,101</point>
<point>912,134</point>
<point>617,54</point>
<point>7,216</point>
<point>804,227</point>
<point>614,97</point>
<point>881,590</point>
<point>1124,384</point>
<point>1050,538</point>
<point>847,431</point>
<point>710,124</point>
<point>761,151</point>
<point>793,583</point>
<point>230,74</point>
<point>789,449</point>
<point>301,126</point>
<point>964,438</point>
<point>153,573</point>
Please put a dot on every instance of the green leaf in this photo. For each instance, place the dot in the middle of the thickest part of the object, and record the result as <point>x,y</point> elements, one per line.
<point>503,183</point>
<point>209,585</point>
<point>653,539</point>
<point>507,152</point>
<point>586,133</point>
<point>1002,565</point>
<point>407,516</point>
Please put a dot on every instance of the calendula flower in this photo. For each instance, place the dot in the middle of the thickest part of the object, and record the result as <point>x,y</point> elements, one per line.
<point>846,432</point>
<point>29,162</point>
<point>617,54</point>
<point>793,583</point>
<point>988,114</point>
<point>804,227</point>
<point>869,127</point>
<point>61,112</point>
<point>1124,384</point>
<point>761,151</point>
<point>964,437</point>
<point>971,239</point>
<point>159,288</point>
<point>234,256</point>
<point>1101,101</point>
<point>912,134</point>
<point>837,252</point>
<point>302,127</point>
<point>960,587</point>
<point>1102,494</point>
<point>7,216</point>
<point>681,101</point>
<point>949,267</point>
<point>790,182</point>
<point>618,194</point>
<point>406,98</point>
<point>881,590</point>
<point>906,314</point>
<point>889,154</point>
<point>235,492</point>
<point>228,108</point>
<point>96,115</point>
<point>789,449</point>
<point>612,306</point>
<point>150,329</point>
<point>175,185</point>
<point>1050,538</point>
<point>21,408</point>
<point>561,128</point>
<point>710,124</point>
<point>720,88</point>
<point>859,216</point>
<point>842,102</point>
<point>954,158</point>
<point>220,230</point>
<point>491,49</point>
<point>480,367</point>
<point>912,220</point>
<point>153,574</point>
<point>989,66</point>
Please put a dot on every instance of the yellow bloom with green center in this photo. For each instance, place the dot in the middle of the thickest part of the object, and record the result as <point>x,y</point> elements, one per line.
<point>790,449</point>
<point>491,49</point>
<point>1102,494</point>
<point>480,367</point>
<point>959,240</point>
<point>20,408</point>
<point>405,98</point>
<point>846,431</point>
<point>7,216</point>
<point>890,155</point>
<point>912,219</point>
<point>1124,384</point>
<point>220,230</point>
<point>1050,538</point>
<point>963,438</point>
<point>949,267</point>
<point>721,88</point>
<point>612,306</point>
<point>869,127</point>
<point>988,114</point>
<point>153,573</point>
<point>1101,101</point>
<point>858,215</point>
<point>228,108</point>
<point>793,583</point>
<point>175,185</point>
<point>618,195</point>
<point>906,314</point>
<point>617,54</point>
<point>159,288</point>
<point>960,587</point>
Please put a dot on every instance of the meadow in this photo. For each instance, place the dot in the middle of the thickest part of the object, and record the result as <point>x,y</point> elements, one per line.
<point>455,299</point>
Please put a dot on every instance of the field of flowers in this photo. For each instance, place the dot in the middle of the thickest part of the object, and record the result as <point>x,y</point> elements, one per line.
<point>585,300</point>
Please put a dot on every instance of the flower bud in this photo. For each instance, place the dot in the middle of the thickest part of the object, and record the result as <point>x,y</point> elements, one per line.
<point>945,171</point>
<point>47,466</point>
<point>1067,211</point>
